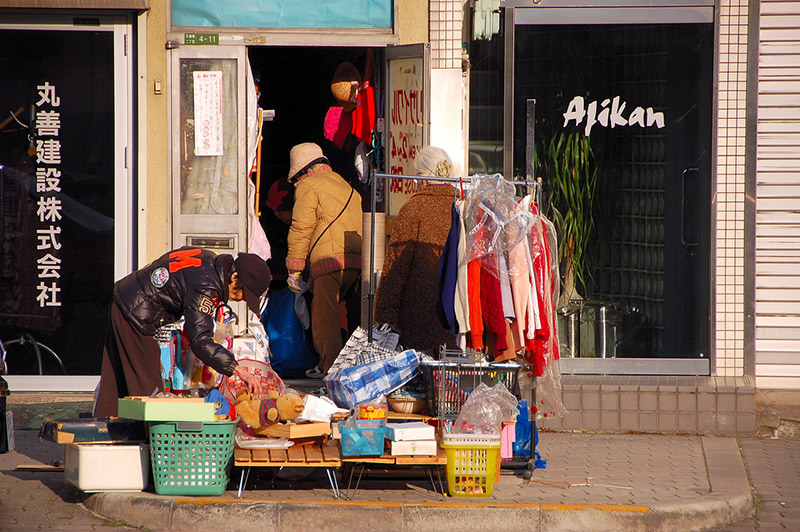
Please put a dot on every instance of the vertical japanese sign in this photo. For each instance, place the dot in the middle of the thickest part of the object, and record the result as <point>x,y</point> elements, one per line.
<point>407,121</point>
<point>48,188</point>
<point>207,112</point>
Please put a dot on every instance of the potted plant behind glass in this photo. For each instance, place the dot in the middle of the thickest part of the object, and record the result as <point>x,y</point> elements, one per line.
<point>570,177</point>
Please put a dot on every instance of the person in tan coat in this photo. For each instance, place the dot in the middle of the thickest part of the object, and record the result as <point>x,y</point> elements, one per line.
<point>409,286</point>
<point>325,235</point>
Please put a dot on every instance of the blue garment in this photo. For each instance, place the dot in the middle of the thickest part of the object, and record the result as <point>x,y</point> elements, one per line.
<point>448,276</point>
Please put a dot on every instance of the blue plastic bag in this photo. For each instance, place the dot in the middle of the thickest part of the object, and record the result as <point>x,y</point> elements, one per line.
<point>290,348</point>
<point>522,443</point>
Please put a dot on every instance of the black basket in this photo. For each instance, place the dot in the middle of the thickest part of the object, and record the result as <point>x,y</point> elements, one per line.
<point>448,384</point>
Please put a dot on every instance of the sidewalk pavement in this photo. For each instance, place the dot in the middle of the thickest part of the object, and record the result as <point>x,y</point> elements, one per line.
<point>592,481</point>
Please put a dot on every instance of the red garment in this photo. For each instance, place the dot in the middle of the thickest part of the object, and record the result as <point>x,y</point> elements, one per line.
<point>492,301</point>
<point>474,299</point>
<point>551,290</point>
<point>543,347</point>
<point>364,114</point>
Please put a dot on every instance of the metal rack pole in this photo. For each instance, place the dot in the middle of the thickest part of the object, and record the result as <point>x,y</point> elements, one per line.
<point>442,179</point>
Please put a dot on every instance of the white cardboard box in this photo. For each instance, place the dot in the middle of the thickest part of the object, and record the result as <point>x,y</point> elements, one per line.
<point>101,467</point>
<point>414,447</point>
<point>415,430</point>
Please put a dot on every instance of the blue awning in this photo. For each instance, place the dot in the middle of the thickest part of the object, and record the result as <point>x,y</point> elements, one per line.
<point>321,14</point>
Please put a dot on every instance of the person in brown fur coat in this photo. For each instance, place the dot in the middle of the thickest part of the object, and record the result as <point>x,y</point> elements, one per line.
<point>408,289</point>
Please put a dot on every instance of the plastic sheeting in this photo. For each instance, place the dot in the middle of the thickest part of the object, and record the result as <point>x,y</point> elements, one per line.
<point>323,14</point>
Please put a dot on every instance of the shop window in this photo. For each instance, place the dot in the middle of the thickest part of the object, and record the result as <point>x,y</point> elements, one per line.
<point>637,100</point>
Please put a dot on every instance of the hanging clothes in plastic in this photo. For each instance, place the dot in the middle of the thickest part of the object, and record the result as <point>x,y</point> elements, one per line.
<point>506,283</point>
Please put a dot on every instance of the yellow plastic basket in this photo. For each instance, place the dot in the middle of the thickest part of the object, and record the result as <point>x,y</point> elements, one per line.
<point>472,461</point>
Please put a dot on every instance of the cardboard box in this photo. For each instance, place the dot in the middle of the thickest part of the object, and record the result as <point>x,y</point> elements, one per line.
<point>100,467</point>
<point>93,430</point>
<point>166,409</point>
<point>413,448</point>
<point>416,430</point>
<point>311,429</point>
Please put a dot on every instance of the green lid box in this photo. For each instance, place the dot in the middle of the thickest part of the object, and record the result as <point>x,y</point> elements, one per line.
<point>166,409</point>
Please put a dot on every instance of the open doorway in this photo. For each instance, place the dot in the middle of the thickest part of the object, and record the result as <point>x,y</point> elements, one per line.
<point>295,83</point>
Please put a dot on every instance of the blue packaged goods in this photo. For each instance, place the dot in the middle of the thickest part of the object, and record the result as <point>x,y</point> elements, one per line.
<point>353,386</point>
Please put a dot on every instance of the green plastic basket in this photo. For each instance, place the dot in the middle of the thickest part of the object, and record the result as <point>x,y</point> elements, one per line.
<point>191,457</point>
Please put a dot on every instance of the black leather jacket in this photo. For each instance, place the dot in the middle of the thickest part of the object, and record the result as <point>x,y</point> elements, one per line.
<point>189,283</point>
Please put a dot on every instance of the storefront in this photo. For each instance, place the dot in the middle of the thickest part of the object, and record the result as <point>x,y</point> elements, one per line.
<point>633,90</point>
<point>641,114</point>
<point>180,64</point>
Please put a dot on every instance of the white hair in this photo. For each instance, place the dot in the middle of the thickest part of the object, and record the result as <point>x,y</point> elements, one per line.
<point>434,162</point>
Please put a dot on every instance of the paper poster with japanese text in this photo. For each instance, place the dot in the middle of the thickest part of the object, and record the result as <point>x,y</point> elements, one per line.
<point>208,113</point>
<point>407,122</point>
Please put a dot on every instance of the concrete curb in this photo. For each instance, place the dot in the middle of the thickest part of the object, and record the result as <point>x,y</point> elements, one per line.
<point>175,514</point>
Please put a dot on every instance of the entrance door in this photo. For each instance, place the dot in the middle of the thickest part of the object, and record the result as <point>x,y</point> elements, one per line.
<point>632,89</point>
<point>208,148</point>
<point>66,181</point>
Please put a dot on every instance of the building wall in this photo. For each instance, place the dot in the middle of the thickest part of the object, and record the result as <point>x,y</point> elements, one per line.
<point>448,82</point>
<point>729,201</point>
<point>412,21</point>
<point>777,250</point>
<point>154,203</point>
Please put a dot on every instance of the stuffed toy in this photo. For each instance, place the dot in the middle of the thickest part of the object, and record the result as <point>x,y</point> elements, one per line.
<point>258,413</point>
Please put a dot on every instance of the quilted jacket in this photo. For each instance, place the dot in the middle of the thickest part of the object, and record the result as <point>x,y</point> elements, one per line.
<point>319,198</point>
<point>189,283</point>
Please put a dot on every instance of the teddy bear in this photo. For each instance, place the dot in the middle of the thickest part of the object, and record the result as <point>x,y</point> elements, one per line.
<point>258,413</point>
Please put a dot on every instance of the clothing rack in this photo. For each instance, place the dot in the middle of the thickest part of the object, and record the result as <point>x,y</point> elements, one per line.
<point>375,176</point>
<point>528,465</point>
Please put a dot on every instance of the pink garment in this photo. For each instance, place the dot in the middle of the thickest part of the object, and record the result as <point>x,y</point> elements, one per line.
<point>337,126</point>
<point>520,286</point>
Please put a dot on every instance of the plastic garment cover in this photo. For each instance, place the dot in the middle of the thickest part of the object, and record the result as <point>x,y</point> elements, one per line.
<point>543,361</point>
<point>492,219</point>
<point>486,409</point>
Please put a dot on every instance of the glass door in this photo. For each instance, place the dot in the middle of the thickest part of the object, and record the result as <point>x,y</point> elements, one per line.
<point>208,148</point>
<point>623,144</point>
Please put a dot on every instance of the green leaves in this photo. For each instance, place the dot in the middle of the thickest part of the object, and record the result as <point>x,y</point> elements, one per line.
<point>572,179</point>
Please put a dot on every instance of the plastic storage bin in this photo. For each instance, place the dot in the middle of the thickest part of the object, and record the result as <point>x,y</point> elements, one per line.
<point>472,461</point>
<point>102,467</point>
<point>448,384</point>
<point>366,439</point>
<point>190,457</point>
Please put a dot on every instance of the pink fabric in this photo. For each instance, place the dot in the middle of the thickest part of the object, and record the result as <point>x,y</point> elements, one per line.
<point>507,437</point>
<point>337,126</point>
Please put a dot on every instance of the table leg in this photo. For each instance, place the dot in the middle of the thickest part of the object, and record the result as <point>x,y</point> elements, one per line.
<point>334,483</point>
<point>243,481</point>
<point>352,495</point>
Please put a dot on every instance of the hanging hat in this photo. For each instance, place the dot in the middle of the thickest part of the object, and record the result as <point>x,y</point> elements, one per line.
<point>279,197</point>
<point>302,157</point>
<point>345,85</point>
<point>255,277</point>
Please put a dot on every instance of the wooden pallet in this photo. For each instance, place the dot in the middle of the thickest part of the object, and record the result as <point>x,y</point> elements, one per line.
<point>309,455</point>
